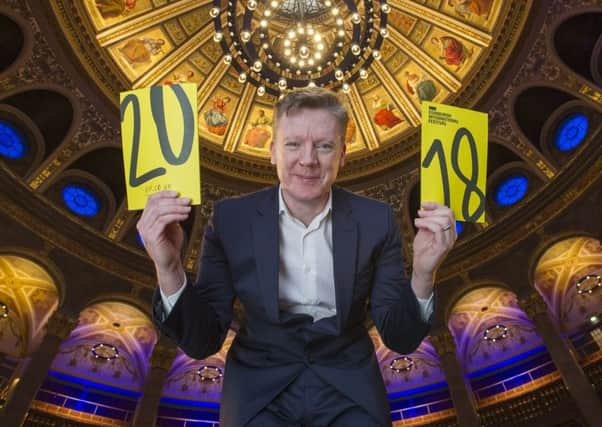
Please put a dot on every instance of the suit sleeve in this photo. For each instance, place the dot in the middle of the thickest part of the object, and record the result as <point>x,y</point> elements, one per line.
<point>393,304</point>
<point>200,319</point>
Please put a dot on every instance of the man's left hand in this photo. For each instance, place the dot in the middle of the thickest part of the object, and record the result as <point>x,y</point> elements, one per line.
<point>435,237</point>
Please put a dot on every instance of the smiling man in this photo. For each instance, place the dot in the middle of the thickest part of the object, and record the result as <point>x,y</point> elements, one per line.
<point>308,262</point>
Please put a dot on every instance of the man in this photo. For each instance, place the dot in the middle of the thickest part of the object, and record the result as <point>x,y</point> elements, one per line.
<point>304,258</point>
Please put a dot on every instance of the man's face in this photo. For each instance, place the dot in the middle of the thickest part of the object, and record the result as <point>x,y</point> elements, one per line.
<point>308,152</point>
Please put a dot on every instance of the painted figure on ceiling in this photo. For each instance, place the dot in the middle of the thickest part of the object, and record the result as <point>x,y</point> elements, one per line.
<point>260,132</point>
<point>384,117</point>
<point>179,77</point>
<point>420,86</point>
<point>140,50</point>
<point>215,117</point>
<point>452,50</point>
<point>114,8</point>
<point>466,8</point>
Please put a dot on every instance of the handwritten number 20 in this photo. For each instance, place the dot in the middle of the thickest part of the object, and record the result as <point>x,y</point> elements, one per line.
<point>470,183</point>
<point>158,111</point>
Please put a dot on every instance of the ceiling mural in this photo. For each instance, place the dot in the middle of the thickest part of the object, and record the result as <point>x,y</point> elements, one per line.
<point>243,54</point>
<point>489,326</point>
<point>28,297</point>
<point>201,380</point>
<point>568,275</point>
<point>111,344</point>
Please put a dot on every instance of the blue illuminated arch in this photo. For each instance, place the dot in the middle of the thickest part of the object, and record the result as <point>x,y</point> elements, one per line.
<point>571,132</point>
<point>511,190</point>
<point>81,200</point>
<point>12,141</point>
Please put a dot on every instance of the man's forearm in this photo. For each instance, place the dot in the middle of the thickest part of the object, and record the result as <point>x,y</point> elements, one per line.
<point>422,285</point>
<point>170,280</point>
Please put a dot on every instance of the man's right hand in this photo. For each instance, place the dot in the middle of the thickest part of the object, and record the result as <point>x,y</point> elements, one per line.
<point>163,236</point>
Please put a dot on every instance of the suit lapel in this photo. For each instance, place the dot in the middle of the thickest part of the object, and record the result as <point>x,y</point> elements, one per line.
<point>344,238</point>
<point>266,245</point>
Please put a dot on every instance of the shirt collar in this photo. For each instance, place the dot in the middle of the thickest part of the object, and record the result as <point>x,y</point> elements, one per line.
<point>283,209</point>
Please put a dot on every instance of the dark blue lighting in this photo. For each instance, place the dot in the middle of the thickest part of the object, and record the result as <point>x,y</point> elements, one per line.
<point>80,200</point>
<point>12,142</point>
<point>571,132</point>
<point>459,227</point>
<point>93,385</point>
<point>511,190</point>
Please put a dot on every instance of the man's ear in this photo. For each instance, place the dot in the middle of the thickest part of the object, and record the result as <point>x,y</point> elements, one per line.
<point>273,152</point>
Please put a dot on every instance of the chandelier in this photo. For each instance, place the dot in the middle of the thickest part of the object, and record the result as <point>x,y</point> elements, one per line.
<point>278,45</point>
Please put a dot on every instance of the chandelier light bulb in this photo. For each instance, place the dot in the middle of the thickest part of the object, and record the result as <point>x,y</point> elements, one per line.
<point>363,74</point>
<point>245,36</point>
<point>327,3</point>
<point>267,13</point>
<point>385,8</point>
<point>261,90</point>
<point>346,87</point>
<point>263,23</point>
<point>227,59</point>
<point>304,51</point>
<point>311,61</point>
<point>217,37</point>
<point>282,84</point>
<point>214,12</point>
<point>265,45</point>
<point>339,21</point>
<point>320,46</point>
<point>293,59</point>
<point>274,4</point>
<point>335,11</point>
<point>311,84</point>
<point>287,52</point>
<point>287,43</point>
<point>252,4</point>
<point>341,33</point>
<point>310,31</point>
<point>317,37</point>
<point>338,74</point>
<point>384,32</point>
<point>376,54</point>
<point>257,65</point>
<point>318,55</point>
<point>356,49</point>
<point>301,63</point>
<point>242,77</point>
<point>355,18</point>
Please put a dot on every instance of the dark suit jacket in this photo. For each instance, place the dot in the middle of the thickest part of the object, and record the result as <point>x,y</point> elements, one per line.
<point>240,258</point>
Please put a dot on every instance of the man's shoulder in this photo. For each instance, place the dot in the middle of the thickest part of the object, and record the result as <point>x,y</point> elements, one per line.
<point>248,201</point>
<point>361,202</point>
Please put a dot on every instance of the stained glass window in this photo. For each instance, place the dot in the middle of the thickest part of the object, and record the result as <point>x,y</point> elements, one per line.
<point>81,200</point>
<point>571,132</point>
<point>12,142</point>
<point>511,190</point>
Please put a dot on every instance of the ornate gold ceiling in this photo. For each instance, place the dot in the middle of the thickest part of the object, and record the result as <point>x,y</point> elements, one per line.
<point>447,51</point>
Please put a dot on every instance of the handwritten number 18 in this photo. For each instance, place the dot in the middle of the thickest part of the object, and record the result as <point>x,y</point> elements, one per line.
<point>470,183</point>
<point>158,111</point>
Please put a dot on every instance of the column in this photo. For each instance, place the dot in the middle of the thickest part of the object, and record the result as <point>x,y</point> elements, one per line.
<point>148,406</point>
<point>563,355</point>
<point>59,327</point>
<point>459,388</point>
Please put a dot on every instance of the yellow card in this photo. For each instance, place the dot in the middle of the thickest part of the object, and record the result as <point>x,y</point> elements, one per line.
<point>160,142</point>
<point>453,159</point>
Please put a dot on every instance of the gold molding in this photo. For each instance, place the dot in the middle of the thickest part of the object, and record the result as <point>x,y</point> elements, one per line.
<point>443,21</point>
<point>207,87</point>
<point>234,133</point>
<point>362,118</point>
<point>133,26</point>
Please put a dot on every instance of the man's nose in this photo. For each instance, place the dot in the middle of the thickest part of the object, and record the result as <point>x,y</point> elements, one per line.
<point>309,155</point>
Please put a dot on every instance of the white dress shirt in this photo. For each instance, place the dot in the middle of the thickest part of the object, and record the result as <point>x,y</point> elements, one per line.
<point>305,276</point>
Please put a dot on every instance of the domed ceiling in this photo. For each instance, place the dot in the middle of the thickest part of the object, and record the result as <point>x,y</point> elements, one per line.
<point>387,58</point>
